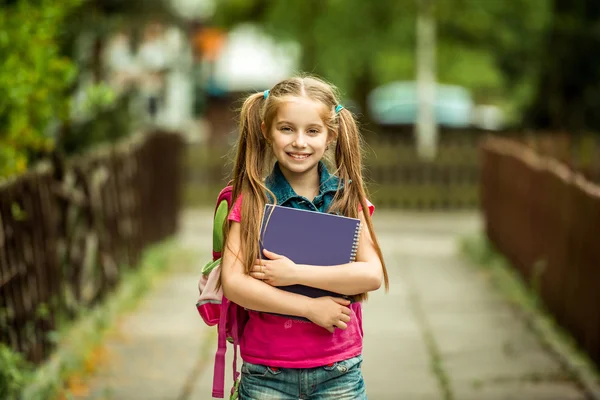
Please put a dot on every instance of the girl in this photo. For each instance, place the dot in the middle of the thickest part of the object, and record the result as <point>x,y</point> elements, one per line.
<point>296,123</point>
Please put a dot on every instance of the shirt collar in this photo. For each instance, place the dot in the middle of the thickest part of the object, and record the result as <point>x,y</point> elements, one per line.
<point>283,191</point>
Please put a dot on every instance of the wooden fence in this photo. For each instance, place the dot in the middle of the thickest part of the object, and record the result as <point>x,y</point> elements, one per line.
<point>396,177</point>
<point>546,219</point>
<point>67,233</point>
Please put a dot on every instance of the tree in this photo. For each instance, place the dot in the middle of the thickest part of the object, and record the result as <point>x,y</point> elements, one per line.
<point>567,96</point>
<point>490,47</point>
<point>352,43</point>
<point>34,79</point>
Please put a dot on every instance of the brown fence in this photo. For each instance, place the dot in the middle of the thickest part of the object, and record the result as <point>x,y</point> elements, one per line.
<point>546,219</point>
<point>68,233</point>
<point>396,177</point>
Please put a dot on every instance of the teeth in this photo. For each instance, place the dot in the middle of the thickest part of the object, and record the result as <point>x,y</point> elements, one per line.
<point>299,156</point>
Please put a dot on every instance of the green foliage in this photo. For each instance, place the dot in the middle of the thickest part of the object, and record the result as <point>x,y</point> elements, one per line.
<point>11,160</point>
<point>34,79</point>
<point>491,47</point>
<point>102,118</point>
<point>17,212</point>
<point>340,39</point>
<point>98,97</point>
<point>567,95</point>
<point>479,249</point>
<point>14,374</point>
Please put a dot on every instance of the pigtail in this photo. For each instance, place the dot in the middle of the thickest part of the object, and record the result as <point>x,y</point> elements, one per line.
<point>348,160</point>
<point>248,175</point>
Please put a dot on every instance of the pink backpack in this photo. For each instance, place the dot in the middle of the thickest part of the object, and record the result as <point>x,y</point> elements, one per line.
<point>214,308</point>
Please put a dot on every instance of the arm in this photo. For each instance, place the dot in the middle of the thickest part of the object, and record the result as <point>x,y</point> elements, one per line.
<point>256,295</point>
<point>363,275</point>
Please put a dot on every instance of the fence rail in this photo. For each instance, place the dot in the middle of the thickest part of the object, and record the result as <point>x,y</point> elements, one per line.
<point>396,177</point>
<point>546,219</point>
<point>68,233</point>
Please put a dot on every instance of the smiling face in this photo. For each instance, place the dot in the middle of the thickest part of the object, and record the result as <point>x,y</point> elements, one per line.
<point>298,135</point>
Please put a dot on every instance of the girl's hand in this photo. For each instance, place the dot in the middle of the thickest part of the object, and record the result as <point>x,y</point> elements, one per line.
<point>276,271</point>
<point>329,312</point>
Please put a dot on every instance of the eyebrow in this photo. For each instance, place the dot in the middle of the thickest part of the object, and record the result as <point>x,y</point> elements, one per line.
<point>291,123</point>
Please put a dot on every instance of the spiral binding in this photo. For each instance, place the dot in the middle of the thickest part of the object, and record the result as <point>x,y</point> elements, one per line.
<point>355,243</point>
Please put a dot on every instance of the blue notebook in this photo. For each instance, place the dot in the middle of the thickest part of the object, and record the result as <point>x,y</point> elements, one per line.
<point>311,238</point>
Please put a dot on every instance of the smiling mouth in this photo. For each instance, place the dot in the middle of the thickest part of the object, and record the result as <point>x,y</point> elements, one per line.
<point>298,156</point>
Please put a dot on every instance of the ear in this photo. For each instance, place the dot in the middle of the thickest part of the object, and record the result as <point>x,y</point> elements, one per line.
<point>263,129</point>
<point>331,137</point>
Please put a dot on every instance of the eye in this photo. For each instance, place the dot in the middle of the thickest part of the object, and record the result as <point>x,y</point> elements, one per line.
<point>313,131</point>
<point>285,129</point>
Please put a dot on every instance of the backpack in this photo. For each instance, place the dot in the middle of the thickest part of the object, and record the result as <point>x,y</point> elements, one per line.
<point>216,309</point>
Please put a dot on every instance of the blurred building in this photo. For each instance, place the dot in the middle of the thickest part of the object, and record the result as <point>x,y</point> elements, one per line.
<point>251,60</point>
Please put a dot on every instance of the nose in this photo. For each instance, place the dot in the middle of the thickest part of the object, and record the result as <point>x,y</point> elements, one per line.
<point>300,140</point>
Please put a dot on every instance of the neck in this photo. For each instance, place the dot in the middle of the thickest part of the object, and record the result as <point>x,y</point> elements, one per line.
<point>305,184</point>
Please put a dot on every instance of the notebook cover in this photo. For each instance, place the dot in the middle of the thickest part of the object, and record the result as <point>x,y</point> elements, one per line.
<point>311,238</point>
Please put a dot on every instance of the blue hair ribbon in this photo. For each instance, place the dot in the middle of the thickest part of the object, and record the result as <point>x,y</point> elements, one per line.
<point>338,108</point>
<point>266,93</point>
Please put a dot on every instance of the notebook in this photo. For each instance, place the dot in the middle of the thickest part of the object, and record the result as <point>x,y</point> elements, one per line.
<point>311,238</point>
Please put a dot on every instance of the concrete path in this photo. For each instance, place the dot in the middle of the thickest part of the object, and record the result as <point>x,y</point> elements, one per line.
<point>442,331</point>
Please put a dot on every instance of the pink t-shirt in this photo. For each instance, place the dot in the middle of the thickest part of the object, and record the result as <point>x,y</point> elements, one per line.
<point>285,342</point>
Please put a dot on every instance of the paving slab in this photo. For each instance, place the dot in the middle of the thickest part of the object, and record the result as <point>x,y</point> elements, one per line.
<point>440,320</point>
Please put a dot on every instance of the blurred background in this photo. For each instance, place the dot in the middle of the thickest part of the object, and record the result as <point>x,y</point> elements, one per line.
<point>116,115</point>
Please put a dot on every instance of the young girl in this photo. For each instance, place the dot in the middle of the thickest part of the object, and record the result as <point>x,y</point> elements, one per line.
<point>297,123</point>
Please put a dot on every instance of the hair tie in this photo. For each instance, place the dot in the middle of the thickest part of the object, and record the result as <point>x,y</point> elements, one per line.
<point>266,93</point>
<point>338,108</point>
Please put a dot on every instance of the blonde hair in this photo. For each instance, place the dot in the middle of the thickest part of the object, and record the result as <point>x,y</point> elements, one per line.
<point>253,152</point>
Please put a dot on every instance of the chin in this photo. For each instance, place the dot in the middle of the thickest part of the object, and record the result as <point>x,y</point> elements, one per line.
<point>298,168</point>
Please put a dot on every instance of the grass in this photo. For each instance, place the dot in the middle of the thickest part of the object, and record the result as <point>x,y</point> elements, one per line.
<point>524,296</point>
<point>79,349</point>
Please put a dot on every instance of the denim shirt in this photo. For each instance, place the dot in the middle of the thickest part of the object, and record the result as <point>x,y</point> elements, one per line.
<point>287,197</point>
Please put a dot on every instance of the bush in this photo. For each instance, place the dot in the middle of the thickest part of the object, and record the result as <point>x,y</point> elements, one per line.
<point>34,79</point>
<point>14,374</point>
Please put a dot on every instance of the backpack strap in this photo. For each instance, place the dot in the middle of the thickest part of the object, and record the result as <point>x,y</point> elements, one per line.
<point>224,203</point>
<point>235,334</point>
<point>218,390</point>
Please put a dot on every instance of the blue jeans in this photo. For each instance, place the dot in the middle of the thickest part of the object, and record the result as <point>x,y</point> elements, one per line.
<point>341,381</point>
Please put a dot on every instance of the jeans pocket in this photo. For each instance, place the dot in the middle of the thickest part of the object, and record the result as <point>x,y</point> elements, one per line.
<point>341,367</point>
<point>331,367</point>
<point>258,370</point>
<point>254,369</point>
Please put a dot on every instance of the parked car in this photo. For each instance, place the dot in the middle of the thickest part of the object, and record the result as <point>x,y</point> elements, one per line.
<point>396,103</point>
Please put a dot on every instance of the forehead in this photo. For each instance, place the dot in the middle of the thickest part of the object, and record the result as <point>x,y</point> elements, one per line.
<point>300,110</point>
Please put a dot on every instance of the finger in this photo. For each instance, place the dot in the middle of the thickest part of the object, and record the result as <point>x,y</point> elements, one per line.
<point>341,324</point>
<point>271,255</point>
<point>256,275</point>
<point>341,301</point>
<point>256,268</point>
<point>331,329</point>
<point>345,318</point>
<point>346,310</point>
